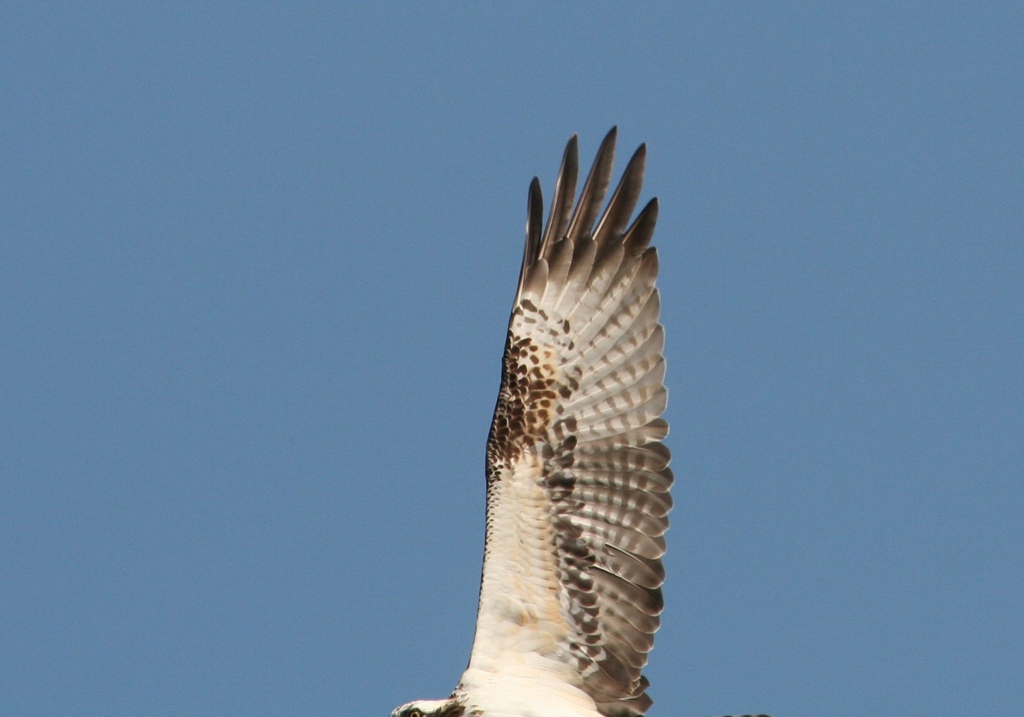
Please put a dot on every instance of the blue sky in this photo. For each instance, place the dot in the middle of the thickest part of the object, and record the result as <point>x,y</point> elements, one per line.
<point>256,262</point>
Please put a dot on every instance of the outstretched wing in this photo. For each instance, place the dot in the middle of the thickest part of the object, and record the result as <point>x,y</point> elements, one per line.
<point>577,479</point>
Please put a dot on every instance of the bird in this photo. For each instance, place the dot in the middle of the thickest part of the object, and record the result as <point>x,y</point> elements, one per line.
<point>578,478</point>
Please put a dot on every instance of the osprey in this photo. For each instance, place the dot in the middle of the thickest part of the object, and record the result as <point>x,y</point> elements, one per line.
<point>577,477</point>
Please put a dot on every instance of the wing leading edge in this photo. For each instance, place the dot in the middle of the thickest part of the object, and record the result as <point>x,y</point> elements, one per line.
<point>577,478</point>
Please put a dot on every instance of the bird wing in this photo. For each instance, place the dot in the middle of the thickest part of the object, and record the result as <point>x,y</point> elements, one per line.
<point>577,479</point>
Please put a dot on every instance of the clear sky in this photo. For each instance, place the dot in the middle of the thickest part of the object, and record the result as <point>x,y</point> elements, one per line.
<point>256,262</point>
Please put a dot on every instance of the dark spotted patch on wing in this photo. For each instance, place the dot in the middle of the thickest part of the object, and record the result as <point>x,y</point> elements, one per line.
<point>529,393</point>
